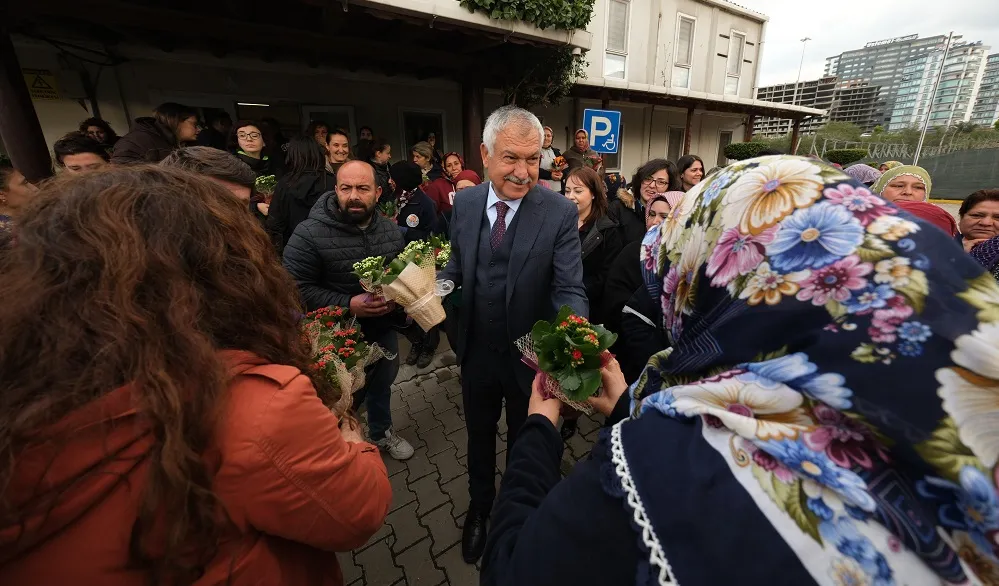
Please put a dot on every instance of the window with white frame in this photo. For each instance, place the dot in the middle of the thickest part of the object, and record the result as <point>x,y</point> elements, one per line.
<point>616,55</point>
<point>683,55</point>
<point>733,69</point>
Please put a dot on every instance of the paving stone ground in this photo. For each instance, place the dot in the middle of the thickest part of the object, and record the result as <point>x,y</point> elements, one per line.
<point>420,543</point>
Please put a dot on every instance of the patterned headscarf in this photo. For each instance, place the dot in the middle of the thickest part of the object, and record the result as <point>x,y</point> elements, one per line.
<point>894,172</point>
<point>842,361</point>
<point>891,164</point>
<point>987,254</point>
<point>863,173</point>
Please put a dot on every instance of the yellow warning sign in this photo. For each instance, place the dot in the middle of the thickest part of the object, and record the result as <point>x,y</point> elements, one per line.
<point>41,84</point>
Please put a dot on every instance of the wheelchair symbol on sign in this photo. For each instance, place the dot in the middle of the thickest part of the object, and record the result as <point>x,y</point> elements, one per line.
<point>610,144</point>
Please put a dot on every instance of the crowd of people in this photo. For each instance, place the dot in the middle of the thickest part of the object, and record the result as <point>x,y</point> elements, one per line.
<point>806,353</point>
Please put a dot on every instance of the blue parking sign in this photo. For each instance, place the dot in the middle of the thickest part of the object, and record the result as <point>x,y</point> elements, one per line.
<point>604,129</point>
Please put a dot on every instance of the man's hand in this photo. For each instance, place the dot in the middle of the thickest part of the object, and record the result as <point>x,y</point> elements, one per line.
<point>547,407</point>
<point>368,305</point>
<point>556,175</point>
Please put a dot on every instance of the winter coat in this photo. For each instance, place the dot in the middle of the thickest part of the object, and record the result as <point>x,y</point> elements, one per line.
<point>147,142</point>
<point>321,254</point>
<point>600,242</point>
<point>293,199</point>
<point>294,490</point>
<point>441,192</point>
<point>382,177</point>
<point>418,218</point>
<point>574,158</point>
<point>623,278</point>
<point>261,167</point>
<point>629,213</point>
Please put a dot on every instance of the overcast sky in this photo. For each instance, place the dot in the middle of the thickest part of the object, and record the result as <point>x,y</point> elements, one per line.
<point>841,25</point>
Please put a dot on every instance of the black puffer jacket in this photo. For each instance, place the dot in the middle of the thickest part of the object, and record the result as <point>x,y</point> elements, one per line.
<point>293,199</point>
<point>147,142</point>
<point>321,254</point>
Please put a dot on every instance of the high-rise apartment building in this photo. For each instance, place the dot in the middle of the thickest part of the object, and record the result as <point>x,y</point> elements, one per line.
<point>963,69</point>
<point>843,102</point>
<point>880,64</point>
<point>986,109</point>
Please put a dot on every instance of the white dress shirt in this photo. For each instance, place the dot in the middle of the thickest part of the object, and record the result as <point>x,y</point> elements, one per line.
<point>491,207</point>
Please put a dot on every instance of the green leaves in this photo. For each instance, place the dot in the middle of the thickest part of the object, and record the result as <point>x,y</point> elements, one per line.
<point>569,349</point>
<point>558,14</point>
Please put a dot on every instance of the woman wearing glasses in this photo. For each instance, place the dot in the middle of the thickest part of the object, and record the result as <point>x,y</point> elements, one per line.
<point>247,143</point>
<point>651,179</point>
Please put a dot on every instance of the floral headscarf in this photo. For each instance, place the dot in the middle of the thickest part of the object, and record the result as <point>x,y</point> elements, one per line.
<point>892,164</point>
<point>894,172</point>
<point>863,173</point>
<point>842,358</point>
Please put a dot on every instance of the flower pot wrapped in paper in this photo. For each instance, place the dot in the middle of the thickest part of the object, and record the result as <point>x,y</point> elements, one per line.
<point>370,273</point>
<point>264,186</point>
<point>411,281</point>
<point>570,352</point>
<point>339,352</point>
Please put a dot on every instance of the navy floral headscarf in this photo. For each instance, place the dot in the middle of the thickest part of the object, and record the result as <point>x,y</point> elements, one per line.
<point>842,357</point>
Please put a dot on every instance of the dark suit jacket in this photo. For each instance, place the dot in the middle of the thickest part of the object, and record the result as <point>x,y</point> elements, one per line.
<point>545,270</point>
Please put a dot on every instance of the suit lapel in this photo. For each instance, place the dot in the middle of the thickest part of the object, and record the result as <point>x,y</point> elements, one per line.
<point>470,240</point>
<point>530,217</point>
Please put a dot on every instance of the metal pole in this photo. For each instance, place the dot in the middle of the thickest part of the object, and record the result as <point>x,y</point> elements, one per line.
<point>804,43</point>
<point>933,95</point>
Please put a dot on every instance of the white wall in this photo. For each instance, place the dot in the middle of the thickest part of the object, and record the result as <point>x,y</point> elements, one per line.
<point>651,42</point>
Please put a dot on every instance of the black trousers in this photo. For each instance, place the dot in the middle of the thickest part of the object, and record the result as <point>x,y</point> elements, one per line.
<point>487,380</point>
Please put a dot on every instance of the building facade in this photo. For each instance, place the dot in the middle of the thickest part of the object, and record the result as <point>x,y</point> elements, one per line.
<point>880,64</point>
<point>986,109</point>
<point>684,83</point>
<point>851,102</point>
<point>964,65</point>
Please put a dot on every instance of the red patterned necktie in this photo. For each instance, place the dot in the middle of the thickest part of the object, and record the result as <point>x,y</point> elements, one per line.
<point>499,228</point>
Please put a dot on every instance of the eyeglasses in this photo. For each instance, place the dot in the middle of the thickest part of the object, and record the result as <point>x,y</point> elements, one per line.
<point>249,135</point>
<point>660,183</point>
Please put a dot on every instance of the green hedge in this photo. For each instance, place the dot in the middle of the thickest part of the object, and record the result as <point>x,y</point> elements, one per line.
<point>559,14</point>
<point>740,151</point>
<point>846,156</point>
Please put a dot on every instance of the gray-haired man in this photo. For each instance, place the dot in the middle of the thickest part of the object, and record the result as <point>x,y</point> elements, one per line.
<point>515,251</point>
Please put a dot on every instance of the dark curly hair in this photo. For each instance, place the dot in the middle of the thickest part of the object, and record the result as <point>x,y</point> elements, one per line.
<point>140,276</point>
<point>110,135</point>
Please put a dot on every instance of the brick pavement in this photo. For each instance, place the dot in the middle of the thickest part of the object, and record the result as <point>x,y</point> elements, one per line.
<point>420,541</point>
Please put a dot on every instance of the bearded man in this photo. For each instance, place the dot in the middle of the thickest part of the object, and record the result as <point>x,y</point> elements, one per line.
<point>342,229</point>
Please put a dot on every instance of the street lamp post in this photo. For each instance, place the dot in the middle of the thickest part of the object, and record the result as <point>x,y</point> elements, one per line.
<point>804,43</point>
<point>929,105</point>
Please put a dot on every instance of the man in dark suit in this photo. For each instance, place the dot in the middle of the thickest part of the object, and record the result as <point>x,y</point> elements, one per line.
<point>515,252</point>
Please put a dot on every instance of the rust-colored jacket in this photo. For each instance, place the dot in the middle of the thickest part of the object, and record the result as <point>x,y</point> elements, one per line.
<point>294,489</point>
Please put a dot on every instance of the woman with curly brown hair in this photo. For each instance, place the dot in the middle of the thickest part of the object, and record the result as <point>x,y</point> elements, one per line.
<point>157,422</point>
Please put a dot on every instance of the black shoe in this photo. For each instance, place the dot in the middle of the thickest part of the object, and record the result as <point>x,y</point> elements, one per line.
<point>568,430</point>
<point>414,354</point>
<point>425,358</point>
<point>473,535</point>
